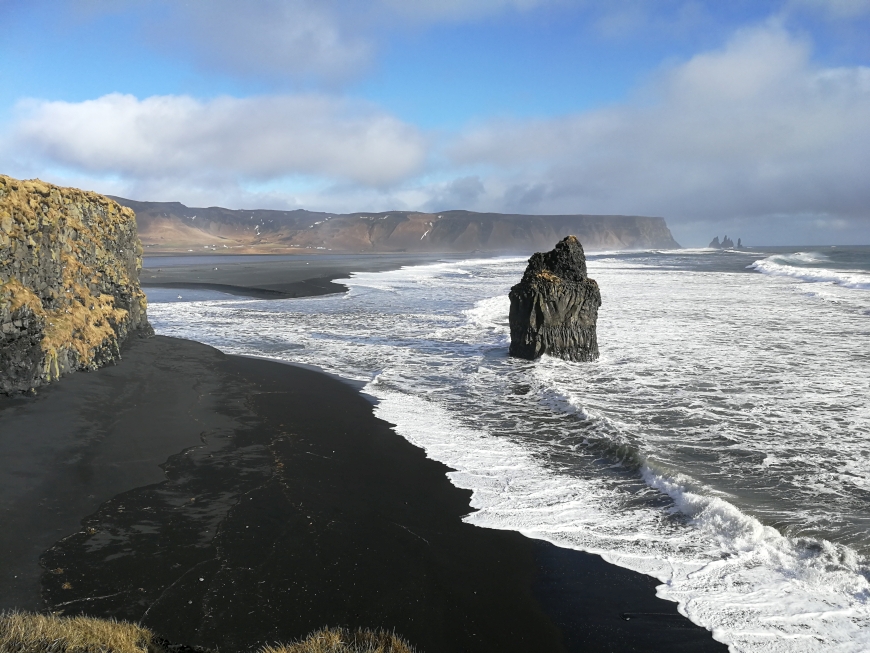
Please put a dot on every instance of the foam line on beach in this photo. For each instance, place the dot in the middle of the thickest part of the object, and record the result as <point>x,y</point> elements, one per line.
<point>581,457</point>
<point>755,589</point>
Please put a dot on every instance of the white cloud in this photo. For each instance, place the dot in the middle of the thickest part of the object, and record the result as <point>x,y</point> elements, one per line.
<point>753,133</point>
<point>459,193</point>
<point>433,11</point>
<point>836,8</point>
<point>312,40</point>
<point>749,130</point>
<point>266,38</point>
<point>323,40</point>
<point>261,138</point>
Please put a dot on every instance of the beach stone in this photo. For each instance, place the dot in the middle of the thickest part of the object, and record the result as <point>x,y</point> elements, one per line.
<point>554,309</point>
<point>69,283</point>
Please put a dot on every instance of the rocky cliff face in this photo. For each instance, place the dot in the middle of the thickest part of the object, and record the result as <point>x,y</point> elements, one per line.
<point>172,227</point>
<point>554,309</point>
<point>69,281</point>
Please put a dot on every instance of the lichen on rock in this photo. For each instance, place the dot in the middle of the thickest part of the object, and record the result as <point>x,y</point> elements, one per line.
<point>69,281</point>
<point>554,309</point>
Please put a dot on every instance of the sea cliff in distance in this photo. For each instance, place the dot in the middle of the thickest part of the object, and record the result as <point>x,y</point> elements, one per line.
<point>174,227</point>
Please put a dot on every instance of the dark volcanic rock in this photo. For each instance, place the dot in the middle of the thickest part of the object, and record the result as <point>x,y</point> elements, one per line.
<point>726,243</point>
<point>555,306</point>
<point>69,282</point>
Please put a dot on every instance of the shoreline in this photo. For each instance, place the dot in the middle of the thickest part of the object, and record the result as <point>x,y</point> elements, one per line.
<point>281,494</point>
<point>279,277</point>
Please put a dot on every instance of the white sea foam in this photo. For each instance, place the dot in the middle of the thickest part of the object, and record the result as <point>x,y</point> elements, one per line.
<point>794,266</point>
<point>490,314</point>
<point>722,403</point>
<point>755,589</point>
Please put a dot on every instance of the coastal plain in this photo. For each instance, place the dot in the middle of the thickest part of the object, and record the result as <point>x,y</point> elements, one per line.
<point>227,502</point>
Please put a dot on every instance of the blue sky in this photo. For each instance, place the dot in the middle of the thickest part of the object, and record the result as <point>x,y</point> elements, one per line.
<point>751,118</point>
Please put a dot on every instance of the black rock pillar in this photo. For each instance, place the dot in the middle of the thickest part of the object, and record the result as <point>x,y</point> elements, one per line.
<point>555,307</point>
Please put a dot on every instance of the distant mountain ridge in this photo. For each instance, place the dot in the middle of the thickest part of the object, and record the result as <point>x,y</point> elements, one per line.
<point>172,226</point>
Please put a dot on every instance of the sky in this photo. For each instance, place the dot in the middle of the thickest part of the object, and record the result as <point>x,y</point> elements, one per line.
<point>749,118</point>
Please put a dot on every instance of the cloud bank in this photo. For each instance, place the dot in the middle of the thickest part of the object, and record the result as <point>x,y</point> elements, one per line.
<point>752,130</point>
<point>260,139</point>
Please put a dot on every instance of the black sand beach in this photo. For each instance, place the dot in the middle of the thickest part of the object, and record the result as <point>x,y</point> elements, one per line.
<point>270,277</point>
<point>282,505</point>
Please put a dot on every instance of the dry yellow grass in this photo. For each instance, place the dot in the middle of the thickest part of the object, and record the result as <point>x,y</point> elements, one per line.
<point>340,640</point>
<point>92,241</point>
<point>22,632</point>
<point>35,633</point>
<point>549,276</point>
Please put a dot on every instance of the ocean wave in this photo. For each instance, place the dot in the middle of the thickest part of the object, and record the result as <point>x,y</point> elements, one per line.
<point>797,266</point>
<point>755,589</point>
<point>641,457</point>
<point>490,314</point>
<point>801,258</point>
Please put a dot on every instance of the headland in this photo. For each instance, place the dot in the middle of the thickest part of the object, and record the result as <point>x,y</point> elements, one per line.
<point>172,227</point>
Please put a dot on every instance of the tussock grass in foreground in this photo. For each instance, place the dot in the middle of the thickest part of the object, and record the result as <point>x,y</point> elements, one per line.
<point>21,632</point>
<point>341,640</point>
<point>35,633</point>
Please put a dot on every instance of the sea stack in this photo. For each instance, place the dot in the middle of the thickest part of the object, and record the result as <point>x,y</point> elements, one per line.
<point>726,243</point>
<point>69,282</point>
<point>555,307</point>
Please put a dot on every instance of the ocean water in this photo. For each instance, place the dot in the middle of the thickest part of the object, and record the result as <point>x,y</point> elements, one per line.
<point>721,443</point>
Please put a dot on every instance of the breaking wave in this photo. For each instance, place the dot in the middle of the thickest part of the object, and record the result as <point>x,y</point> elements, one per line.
<point>809,267</point>
<point>719,444</point>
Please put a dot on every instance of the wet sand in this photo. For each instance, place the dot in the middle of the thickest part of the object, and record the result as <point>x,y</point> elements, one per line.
<point>227,501</point>
<point>271,276</point>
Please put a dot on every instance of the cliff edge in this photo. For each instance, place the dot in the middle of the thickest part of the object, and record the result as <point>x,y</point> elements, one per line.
<point>69,282</point>
<point>174,227</point>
